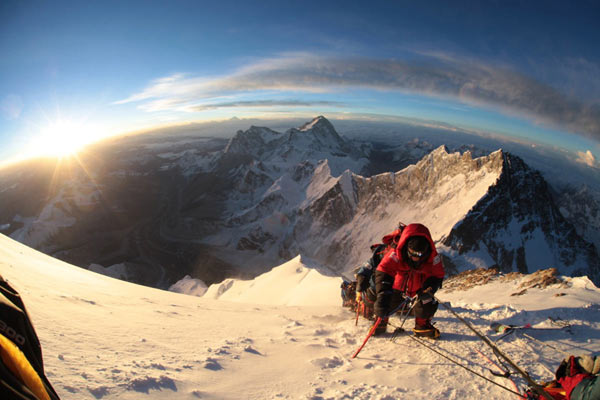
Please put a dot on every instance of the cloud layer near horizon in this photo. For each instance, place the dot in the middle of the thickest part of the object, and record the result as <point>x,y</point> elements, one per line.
<point>437,76</point>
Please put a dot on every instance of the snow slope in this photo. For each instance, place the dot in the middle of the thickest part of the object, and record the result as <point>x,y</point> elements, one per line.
<point>107,339</point>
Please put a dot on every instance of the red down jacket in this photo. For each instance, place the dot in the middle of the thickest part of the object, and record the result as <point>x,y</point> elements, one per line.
<point>407,279</point>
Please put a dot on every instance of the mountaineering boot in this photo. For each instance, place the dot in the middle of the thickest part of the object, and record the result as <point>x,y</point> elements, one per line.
<point>423,328</point>
<point>381,328</point>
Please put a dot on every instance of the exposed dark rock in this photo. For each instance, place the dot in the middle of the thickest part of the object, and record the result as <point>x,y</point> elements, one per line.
<point>482,276</point>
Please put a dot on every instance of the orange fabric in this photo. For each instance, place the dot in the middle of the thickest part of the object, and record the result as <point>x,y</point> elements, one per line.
<point>557,393</point>
<point>17,363</point>
<point>393,237</point>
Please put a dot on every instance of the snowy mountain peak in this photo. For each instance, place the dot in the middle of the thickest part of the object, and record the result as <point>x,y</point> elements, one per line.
<point>322,132</point>
<point>318,135</point>
<point>253,138</point>
<point>320,123</point>
<point>315,141</point>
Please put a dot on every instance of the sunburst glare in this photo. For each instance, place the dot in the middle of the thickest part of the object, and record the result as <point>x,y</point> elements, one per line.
<point>62,138</point>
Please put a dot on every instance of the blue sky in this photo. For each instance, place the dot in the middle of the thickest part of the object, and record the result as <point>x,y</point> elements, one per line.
<point>529,70</point>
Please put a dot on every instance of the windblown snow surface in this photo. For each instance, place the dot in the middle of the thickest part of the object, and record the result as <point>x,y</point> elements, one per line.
<point>282,335</point>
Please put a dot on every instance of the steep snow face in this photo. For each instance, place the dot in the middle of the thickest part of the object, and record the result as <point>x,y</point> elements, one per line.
<point>325,136</point>
<point>438,192</point>
<point>519,226</point>
<point>252,142</point>
<point>581,206</point>
<point>321,182</point>
<point>308,287</point>
<point>447,185</point>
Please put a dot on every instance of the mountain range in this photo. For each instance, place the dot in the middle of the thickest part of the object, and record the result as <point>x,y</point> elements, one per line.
<point>153,208</point>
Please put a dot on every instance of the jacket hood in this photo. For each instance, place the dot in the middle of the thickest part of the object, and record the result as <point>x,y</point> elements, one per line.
<point>415,230</point>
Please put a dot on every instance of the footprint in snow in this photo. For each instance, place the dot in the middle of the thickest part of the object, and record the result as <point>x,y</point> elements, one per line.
<point>348,338</point>
<point>223,350</point>
<point>321,332</point>
<point>147,383</point>
<point>293,324</point>
<point>71,389</point>
<point>250,349</point>
<point>327,362</point>
<point>212,364</point>
<point>98,392</point>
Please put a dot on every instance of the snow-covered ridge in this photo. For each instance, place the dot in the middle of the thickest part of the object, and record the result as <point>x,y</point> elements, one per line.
<point>438,192</point>
<point>303,286</point>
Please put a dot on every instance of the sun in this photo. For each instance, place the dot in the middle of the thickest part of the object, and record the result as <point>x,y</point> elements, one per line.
<point>62,138</point>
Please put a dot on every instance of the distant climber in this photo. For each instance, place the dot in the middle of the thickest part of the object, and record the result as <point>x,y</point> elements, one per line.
<point>413,268</point>
<point>349,294</point>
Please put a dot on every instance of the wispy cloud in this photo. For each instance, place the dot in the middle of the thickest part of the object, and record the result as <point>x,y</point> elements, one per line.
<point>440,76</point>
<point>265,103</point>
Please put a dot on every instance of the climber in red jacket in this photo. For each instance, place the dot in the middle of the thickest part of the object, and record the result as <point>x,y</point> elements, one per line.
<point>414,268</point>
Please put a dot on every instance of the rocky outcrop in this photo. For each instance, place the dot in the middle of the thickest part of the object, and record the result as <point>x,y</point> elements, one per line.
<point>469,279</point>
